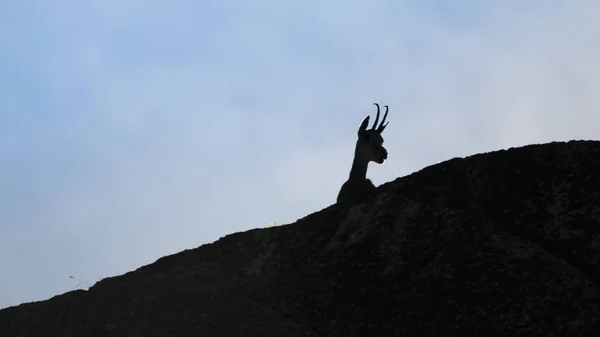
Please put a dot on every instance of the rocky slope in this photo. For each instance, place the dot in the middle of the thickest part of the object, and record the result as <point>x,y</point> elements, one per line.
<point>502,243</point>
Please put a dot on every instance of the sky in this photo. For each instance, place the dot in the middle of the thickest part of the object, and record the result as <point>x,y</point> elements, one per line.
<point>131,130</point>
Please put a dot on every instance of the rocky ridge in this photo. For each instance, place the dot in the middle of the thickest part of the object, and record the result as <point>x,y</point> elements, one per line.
<point>505,243</point>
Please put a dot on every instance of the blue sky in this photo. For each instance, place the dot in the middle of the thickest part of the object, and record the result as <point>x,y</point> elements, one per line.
<point>130,130</point>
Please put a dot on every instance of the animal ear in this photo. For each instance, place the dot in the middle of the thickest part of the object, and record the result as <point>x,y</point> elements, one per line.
<point>364,124</point>
<point>381,128</point>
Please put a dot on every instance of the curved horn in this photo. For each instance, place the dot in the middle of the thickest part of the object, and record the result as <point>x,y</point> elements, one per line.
<point>376,118</point>
<point>382,126</point>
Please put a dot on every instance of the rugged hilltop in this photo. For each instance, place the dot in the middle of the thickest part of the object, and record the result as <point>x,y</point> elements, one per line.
<point>502,243</point>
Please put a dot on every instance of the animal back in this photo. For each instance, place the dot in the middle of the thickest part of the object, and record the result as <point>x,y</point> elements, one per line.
<point>353,191</point>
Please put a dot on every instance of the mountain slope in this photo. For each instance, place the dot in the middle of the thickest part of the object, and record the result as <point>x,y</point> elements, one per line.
<point>506,242</point>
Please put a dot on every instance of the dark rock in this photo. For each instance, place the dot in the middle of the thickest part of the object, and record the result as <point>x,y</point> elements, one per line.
<point>505,244</point>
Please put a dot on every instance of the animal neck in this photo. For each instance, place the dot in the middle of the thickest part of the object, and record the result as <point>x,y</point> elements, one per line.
<point>359,167</point>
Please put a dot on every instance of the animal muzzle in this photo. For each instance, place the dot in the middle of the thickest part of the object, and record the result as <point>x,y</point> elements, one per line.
<point>382,156</point>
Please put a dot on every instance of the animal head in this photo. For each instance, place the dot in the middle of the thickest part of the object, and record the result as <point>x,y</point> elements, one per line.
<point>370,142</point>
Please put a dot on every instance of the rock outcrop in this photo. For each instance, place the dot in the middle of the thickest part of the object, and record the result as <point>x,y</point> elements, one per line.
<point>505,243</point>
